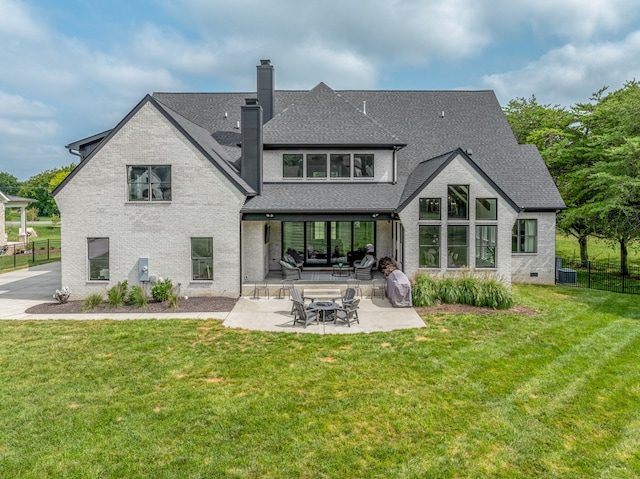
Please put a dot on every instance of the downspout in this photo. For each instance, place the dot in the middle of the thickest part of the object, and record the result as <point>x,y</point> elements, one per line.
<point>394,180</point>
<point>240,250</point>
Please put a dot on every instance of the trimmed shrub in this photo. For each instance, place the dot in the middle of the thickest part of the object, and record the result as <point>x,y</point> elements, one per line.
<point>137,297</point>
<point>117,294</point>
<point>160,290</point>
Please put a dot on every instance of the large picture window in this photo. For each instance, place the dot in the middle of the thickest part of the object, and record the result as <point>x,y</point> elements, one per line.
<point>525,236</point>
<point>486,246</point>
<point>98,256</point>
<point>457,246</point>
<point>149,183</point>
<point>429,246</point>
<point>202,258</point>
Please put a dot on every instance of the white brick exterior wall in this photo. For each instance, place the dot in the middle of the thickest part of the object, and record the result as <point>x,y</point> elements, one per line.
<point>541,263</point>
<point>204,204</point>
<point>459,172</point>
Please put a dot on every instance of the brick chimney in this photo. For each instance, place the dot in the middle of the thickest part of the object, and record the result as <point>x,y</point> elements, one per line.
<point>251,143</point>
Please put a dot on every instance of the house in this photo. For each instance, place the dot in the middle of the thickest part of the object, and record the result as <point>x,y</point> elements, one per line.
<point>212,189</point>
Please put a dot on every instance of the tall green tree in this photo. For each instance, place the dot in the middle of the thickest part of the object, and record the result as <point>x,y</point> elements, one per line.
<point>612,177</point>
<point>40,186</point>
<point>559,137</point>
<point>9,184</point>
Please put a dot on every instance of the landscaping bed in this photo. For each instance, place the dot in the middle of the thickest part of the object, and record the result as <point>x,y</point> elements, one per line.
<point>191,305</point>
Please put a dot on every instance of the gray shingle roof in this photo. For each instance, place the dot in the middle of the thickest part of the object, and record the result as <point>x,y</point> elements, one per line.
<point>323,117</point>
<point>326,197</point>
<point>431,123</point>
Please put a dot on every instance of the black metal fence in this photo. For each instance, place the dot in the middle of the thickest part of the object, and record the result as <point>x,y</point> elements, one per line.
<point>595,275</point>
<point>17,255</point>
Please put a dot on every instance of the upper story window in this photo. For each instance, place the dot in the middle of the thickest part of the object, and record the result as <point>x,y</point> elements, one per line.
<point>149,183</point>
<point>340,166</point>
<point>292,165</point>
<point>429,209</point>
<point>458,202</point>
<point>319,166</point>
<point>486,209</point>
<point>363,165</point>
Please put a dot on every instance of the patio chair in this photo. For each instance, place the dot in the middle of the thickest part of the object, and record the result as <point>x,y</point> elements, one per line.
<point>348,314</point>
<point>364,269</point>
<point>295,295</point>
<point>289,271</point>
<point>379,286</point>
<point>304,314</point>
<point>349,296</point>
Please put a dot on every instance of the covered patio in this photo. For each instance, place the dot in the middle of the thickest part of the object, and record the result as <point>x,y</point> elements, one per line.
<point>318,278</point>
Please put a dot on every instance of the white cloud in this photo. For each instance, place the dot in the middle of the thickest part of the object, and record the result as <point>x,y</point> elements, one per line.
<point>19,21</point>
<point>572,73</point>
<point>27,129</point>
<point>16,106</point>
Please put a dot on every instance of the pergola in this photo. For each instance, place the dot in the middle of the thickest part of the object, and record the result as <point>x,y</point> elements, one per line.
<point>10,201</point>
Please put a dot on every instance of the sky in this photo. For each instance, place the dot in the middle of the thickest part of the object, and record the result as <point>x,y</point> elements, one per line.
<point>73,68</point>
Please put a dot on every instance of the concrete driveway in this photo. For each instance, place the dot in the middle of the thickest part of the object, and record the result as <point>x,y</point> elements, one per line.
<point>21,289</point>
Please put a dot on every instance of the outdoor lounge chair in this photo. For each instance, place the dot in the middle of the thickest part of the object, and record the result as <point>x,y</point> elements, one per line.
<point>303,314</point>
<point>364,269</point>
<point>289,271</point>
<point>349,313</point>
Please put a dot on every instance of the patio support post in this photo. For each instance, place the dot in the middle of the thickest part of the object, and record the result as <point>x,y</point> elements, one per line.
<point>24,237</point>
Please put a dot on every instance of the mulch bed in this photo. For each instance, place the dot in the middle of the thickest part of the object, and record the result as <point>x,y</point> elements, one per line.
<point>200,304</point>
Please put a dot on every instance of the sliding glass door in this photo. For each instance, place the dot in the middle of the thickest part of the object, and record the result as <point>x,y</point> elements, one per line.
<point>322,243</point>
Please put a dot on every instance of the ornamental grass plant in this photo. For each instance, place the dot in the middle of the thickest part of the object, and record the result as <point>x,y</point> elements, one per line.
<point>466,288</point>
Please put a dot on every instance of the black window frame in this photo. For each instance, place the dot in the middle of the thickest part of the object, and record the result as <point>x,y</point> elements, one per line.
<point>149,190</point>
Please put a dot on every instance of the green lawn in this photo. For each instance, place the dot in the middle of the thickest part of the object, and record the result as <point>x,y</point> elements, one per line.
<point>44,232</point>
<point>504,395</point>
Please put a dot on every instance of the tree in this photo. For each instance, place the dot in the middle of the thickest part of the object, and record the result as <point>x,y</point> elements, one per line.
<point>606,186</point>
<point>9,184</point>
<point>39,187</point>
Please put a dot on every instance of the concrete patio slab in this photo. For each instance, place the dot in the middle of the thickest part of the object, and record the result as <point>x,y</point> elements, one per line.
<point>375,315</point>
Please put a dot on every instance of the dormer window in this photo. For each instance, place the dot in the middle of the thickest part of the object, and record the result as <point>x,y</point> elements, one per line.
<point>322,166</point>
<point>363,165</point>
<point>317,165</point>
